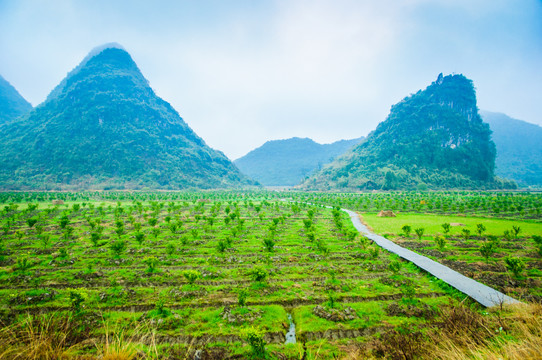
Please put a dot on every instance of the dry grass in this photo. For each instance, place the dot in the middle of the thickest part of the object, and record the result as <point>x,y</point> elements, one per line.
<point>521,340</point>
<point>60,337</point>
<point>510,333</point>
<point>43,337</point>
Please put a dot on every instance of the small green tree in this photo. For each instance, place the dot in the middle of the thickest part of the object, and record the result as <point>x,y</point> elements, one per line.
<point>395,266</point>
<point>446,228</point>
<point>45,240</point>
<point>516,230</point>
<point>419,232</point>
<point>466,233</point>
<point>256,341</point>
<point>191,275</point>
<point>95,238</point>
<point>242,296</point>
<point>64,221</point>
<point>480,229</point>
<point>31,221</point>
<point>407,229</point>
<point>118,247</point>
<point>515,265</point>
<point>258,274</point>
<point>487,250</point>
<point>77,298</point>
<point>440,241</point>
<point>268,244</point>
<point>19,234</point>
<point>152,263</point>
<point>139,237</point>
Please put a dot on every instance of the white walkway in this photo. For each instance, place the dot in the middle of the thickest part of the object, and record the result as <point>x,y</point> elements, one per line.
<point>485,295</point>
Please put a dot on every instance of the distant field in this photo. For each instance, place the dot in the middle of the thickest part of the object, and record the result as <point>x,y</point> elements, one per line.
<point>432,224</point>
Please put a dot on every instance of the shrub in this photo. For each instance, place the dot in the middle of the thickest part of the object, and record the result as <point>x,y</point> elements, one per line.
<point>487,250</point>
<point>466,233</point>
<point>374,252</point>
<point>170,249</point>
<point>516,230</point>
<point>446,228</point>
<point>407,229</point>
<point>440,241</point>
<point>480,229</point>
<point>268,244</point>
<point>31,222</point>
<point>258,273</point>
<point>255,339</point>
<point>395,266</point>
<point>191,275</point>
<point>118,247</point>
<point>152,263</point>
<point>515,265</point>
<point>419,232</point>
<point>242,296</point>
<point>139,237</point>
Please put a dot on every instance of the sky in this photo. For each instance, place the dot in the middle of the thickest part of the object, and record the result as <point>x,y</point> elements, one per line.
<point>241,73</point>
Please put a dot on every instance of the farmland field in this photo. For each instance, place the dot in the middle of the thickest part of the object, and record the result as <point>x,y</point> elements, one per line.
<point>224,272</point>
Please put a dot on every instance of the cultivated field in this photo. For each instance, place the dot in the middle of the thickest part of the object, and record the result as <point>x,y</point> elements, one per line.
<point>228,274</point>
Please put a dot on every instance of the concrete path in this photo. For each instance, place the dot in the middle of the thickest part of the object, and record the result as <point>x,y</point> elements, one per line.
<point>485,295</point>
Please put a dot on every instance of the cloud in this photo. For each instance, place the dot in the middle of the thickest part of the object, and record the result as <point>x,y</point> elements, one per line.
<point>244,72</point>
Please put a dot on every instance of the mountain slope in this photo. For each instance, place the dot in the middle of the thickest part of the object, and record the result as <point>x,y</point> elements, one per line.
<point>12,104</point>
<point>288,162</point>
<point>433,138</point>
<point>519,148</point>
<point>104,127</point>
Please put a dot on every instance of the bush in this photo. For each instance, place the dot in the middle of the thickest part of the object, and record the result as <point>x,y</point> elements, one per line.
<point>255,339</point>
<point>515,265</point>
<point>268,244</point>
<point>191,275</point>
<point>440,241</point>
<point>395,266</point>
<point>118,247</point>
<point>406,230</point>
<point>258,273</point>
<point>152,263</point>
<point>487,250</point>
<point>419,232</point>
<point>242,296</point>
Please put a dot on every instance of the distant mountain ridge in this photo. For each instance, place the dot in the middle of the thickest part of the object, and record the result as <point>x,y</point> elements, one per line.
<point>519,148</point>
<point>104,127</point>
<point>432,139</point>
<point>287,162</point>
<point>12,104</point>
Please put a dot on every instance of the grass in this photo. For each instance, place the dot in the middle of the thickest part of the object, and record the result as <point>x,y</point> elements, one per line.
<point>432,224</point>
<point>140,309</point>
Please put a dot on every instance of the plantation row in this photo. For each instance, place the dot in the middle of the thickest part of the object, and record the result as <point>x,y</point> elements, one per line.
<point>178,272</point>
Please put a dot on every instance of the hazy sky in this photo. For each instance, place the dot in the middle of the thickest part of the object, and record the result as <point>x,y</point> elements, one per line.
<point>244,72</point>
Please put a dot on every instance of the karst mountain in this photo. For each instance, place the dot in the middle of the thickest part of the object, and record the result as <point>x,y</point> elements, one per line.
<point>433,139</point>
<point>103,127</point>
<point>12,104</point>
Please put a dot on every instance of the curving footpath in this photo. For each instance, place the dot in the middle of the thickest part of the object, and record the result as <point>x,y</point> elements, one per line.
<point>484,294</point>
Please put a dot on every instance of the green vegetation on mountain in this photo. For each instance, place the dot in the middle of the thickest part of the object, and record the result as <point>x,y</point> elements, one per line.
<point>434,138</point>
<point>288,162</point>
<point>104,127</point>
<point>519,148</point>
<point>12,104</point>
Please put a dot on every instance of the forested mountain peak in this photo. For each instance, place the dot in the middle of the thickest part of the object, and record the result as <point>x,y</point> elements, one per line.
<point>104,127</point>
<point>12,104</point>
<point>287,162</point>
<point>434,138</point>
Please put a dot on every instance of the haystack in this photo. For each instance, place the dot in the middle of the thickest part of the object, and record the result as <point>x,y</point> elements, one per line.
<point>386,213</point>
